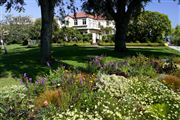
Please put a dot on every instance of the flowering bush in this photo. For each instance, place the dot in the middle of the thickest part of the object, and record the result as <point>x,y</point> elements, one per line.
<point>116,97</point>
<point>91,105</point>
<point>141,98</point>
<point>34,87</point>
<point>67,94</point>
<point>132,66</point>
<point>163,65</point>
<point>15,103</point>
<point>95,63</point>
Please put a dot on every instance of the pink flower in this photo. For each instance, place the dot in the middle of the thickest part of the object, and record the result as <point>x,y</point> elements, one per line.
<point>45,103</point>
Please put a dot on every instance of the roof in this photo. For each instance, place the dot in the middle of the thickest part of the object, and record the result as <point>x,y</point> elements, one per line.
<point>85,15</point>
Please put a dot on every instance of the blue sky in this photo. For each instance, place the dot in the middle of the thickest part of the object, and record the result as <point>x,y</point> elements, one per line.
<point>172,9</point>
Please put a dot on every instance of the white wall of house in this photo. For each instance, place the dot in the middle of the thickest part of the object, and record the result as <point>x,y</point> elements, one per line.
<point>92,26</point>
<point>106,23</point>
<point>94,36</point>
<point>79,22</point>
<point>71,21</point>
<point>102,23</point>
<point>90,23</point>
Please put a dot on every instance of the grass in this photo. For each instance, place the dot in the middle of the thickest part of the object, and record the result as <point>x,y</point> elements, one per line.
<point>112,44</point>
<point>21,59</point>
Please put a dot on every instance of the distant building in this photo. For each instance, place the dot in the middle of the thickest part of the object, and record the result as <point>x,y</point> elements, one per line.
<point>87,23</point>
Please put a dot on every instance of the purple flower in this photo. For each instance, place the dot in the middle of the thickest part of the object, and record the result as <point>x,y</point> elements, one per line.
<point>42,81</point>
<point>25,74</point>
<point>30,79</point>
<point>37,82</point>
<point>81,79</point>
<point>48,64</point>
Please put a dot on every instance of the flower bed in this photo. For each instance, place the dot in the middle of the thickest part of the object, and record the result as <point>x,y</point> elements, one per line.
<point>129,89</point>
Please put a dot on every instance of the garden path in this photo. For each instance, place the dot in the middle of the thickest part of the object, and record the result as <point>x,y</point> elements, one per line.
<point>175,47</point>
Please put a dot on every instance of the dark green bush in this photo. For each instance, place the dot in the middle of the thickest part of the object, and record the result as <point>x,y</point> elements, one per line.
<point>176,36</point>
<point>108,38</point>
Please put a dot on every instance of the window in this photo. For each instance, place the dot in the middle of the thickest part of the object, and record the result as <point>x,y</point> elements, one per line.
<point>75,22</point>
<point>84,21</point>
<point>99,24</point>
<point>63,22</point>
<point>67,22</point>
<point>107,23</point>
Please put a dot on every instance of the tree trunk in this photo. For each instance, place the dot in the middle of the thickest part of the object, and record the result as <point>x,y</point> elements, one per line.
<point>47,14</point>
<point>120,36</point>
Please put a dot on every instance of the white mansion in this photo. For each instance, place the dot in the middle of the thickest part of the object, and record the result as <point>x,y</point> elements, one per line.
<point>87,24</point>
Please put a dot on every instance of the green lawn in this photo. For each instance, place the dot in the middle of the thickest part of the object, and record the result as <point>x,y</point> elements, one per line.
<point>21,59</point>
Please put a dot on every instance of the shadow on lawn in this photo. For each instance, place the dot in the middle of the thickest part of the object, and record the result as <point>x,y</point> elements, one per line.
<point>20,62</point>
<point>82,54</point>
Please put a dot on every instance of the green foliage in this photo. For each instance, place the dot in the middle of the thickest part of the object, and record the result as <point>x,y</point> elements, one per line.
<point>115,97</point>
<point>139,98</point>
<point>108,38</point>
<point>94,106</point>
<point>35,30</point>
<point>87,37</point>
<point>95,64</point>
<point>72,35</point>
<point>106,30</point>
<point>149,27</point>
<point>17,34</point>
<point>69,34</point>
<point>54,77</point>
<point>15,103</point>
<point>176,36</point>
<point>132,66</point>
<point>17,29</point>
<point>77,95</point>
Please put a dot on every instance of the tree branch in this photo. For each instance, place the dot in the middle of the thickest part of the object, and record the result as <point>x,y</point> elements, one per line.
<point>109,7</point>
<point>133,6</point>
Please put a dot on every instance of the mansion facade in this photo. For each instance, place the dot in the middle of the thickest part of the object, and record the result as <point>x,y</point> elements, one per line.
<point>88,24</point>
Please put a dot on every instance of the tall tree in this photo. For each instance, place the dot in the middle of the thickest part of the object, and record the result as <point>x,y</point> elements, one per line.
<point>16,28</point>
<point>149,27</point>
<point>47,15</point>
<point>121,11</point>
<point>176,36</point>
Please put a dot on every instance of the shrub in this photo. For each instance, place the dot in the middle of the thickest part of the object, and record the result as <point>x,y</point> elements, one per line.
<point>177,60</point>
<point>55,77</point>
<point>141,98</point>
<point>132,66</point>
<point>87,37</point>
<point>90,105</point>
<point>176,40</point>
<point>48,97</point>
<point>148,26</point>
<point>96,63</point>
<point>34,87</point>
<point>172,81</point>
<point>15,103</point>
<point>57,98</point>
<point>176,36</point>
<point>116,97</point>
<point>108,38</point>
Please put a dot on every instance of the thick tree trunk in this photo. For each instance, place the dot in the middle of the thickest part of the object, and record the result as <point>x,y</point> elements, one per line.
<point>120,36</point>
<point>47,12</point>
